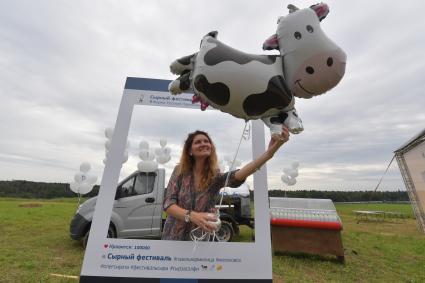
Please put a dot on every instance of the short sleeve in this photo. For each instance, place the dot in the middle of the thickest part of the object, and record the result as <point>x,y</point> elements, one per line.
<point>173,189</point>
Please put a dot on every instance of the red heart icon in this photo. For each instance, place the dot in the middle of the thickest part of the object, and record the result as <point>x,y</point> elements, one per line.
<point>105,245</point>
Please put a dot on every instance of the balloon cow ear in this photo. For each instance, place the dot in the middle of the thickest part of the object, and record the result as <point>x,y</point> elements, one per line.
<point>321,9</point>
<point>271,43</point>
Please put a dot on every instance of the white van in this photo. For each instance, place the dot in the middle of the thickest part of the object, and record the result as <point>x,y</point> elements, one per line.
<point>138,213</point>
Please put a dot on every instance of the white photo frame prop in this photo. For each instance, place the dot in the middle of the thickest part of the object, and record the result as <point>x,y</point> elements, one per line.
<point>130,260</point>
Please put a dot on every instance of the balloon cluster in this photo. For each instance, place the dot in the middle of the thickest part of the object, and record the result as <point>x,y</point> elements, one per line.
<point>148,156</point>
<point>109,132</point>
<point>148,163</point>
<point>290,174</point>
<point>84,182</point>
<point>163,153</point>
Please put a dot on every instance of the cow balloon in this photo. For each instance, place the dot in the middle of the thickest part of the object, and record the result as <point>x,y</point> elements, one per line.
<point>251,86</point>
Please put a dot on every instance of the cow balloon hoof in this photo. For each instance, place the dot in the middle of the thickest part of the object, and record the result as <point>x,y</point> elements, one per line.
<point>293,122</point>
<point>176,68</point>
<point>296,130</point>
<point>174,87</point>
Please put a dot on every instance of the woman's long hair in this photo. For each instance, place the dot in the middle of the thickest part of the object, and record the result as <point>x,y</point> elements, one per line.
<point>187,161</point>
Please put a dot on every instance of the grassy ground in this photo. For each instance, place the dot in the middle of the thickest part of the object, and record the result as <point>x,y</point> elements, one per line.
<point>35,243</point>
<point>374,252</point>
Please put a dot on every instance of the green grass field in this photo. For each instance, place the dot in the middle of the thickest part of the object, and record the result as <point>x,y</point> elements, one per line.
<point>35,243</point>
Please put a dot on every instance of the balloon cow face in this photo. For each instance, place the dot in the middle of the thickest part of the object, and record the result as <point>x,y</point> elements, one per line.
<point>251,86</point>
<point>313,64</point>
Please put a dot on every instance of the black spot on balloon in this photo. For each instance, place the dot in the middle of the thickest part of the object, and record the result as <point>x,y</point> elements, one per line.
<point>277,95</point>
<point>217,93</point>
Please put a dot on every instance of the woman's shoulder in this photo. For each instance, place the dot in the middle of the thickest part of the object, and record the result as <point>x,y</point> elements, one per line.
<point>176,170</point>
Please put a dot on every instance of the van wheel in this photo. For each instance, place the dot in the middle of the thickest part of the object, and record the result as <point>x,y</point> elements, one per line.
<point>111,234</point>
<point>226,232</point>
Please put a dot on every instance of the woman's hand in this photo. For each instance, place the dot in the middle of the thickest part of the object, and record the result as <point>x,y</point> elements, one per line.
<point>277,141</point>
<point>201,219</point>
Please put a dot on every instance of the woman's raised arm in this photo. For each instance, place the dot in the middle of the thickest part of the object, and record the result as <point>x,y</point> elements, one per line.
<point>275,143</point>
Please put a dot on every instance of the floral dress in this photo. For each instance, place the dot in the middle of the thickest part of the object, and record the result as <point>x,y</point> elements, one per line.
<point>181,191</point>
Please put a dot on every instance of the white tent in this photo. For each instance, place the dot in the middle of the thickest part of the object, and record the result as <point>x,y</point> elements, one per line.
<point>411,161</point>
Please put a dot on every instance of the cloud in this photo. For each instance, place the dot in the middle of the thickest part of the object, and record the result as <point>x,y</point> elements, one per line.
<point>63,67</point>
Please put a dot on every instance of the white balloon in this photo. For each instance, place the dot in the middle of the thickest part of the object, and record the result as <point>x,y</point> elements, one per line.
<point>147,166</point>
<point>295,164</point>
<point>85,188</point>
<point>108,145</point>
<point>147,155</point>
<point>163,142</point>
<point>162,159</point>
<point>158,151</point>
<point>293,173</point>
<point>74,187</point>
<point>284,178</point>
<point>166,150</point>
<point>80,177</point>
<point>151,155</point>
<point>109,132</point>
<point>91,179</point>
<point>292,182</point>
<point>168,158</point>
<point>144,145</point>
<point>85,167</point>
<point>143,154</point>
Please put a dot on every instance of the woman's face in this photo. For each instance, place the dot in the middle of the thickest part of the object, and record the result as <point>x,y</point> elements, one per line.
<point>201,146</point>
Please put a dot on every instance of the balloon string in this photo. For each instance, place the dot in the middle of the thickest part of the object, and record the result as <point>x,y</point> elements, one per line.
<point>79,199</point>
<point>243,136</point>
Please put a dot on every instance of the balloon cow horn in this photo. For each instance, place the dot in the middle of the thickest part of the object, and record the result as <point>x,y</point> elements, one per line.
<point>292,8</point>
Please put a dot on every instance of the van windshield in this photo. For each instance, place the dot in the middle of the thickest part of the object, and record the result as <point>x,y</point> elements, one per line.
<point>144,183</point>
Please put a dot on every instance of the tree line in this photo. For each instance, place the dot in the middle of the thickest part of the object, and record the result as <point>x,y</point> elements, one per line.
<point>29,189</point>
<point>344,196</point>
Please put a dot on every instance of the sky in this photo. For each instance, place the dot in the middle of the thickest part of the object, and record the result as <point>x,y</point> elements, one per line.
<point>63,65</point>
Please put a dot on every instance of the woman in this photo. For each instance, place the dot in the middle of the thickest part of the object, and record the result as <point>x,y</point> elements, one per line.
<point>196,181</point>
